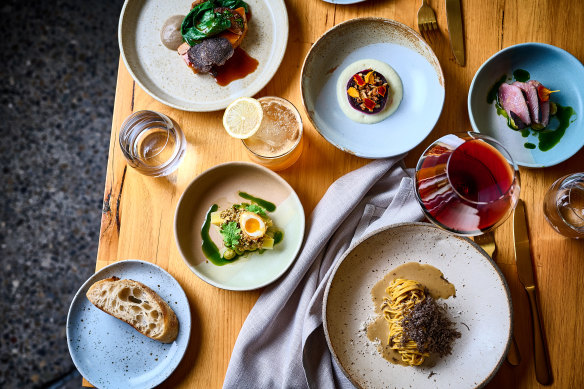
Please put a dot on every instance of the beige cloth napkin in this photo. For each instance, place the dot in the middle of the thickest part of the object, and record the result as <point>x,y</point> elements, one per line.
<point>282,343</point>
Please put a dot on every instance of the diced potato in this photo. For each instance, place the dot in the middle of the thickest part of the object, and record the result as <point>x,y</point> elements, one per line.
<point>268,243</point>
<point>216,218</point>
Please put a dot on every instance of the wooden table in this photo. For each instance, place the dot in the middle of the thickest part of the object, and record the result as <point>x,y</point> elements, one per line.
<point>138,211</point>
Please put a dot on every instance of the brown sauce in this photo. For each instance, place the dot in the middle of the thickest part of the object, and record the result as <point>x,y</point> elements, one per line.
<point>237,67</point>
<point>427,275</point>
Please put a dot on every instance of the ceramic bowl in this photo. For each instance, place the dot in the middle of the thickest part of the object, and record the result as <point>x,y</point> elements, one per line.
<point>163,74</point>
<point>554,68</point>
<point>221,185</point>
<point>398,46</point>
<point>481,310</point>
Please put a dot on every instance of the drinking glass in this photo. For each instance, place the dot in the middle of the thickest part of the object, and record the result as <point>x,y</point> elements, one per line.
<point>152,143</point>
<point>467,183</point>
<point>563,206</point>
<point>278,142</point>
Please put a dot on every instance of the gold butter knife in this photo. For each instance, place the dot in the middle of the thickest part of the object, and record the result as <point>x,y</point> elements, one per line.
<point>526,276</point>
<point>454,19</point>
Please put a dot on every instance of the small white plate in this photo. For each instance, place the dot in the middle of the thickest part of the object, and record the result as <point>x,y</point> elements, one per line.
<point>220,185</point>
<point>407,53</point>
<point>163,74</point>
<point>481,309</point>
<point>110,353</point>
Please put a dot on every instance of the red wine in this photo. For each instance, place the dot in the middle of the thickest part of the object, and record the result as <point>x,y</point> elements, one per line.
<point>466,187</point>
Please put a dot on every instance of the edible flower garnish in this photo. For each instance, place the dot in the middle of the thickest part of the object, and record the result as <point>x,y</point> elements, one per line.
<point>544,93</point>
<point>359,79</point>
<point>369,93</point>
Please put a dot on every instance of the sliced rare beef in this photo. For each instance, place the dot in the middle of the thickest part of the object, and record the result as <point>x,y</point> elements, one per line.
<point>513,102</point>
<point>530,92</point>
<point>544,106</point>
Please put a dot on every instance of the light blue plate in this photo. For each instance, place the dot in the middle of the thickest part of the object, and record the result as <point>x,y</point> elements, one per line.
<point>407,53</point>
<point>555,69</point>
<point>110,353</point>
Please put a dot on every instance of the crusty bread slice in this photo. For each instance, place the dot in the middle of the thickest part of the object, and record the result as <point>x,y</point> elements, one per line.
<point>137,305</point>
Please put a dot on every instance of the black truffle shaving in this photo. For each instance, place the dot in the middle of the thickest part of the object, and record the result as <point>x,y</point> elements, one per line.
<point>209,53</point>
<point>427,324</point>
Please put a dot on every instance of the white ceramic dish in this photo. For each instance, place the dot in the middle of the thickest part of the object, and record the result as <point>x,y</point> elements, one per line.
<point>163,74</point>
<point>482,303</point>
<point>220,185</point>
<point>407,53</point>
<point>110,353</point>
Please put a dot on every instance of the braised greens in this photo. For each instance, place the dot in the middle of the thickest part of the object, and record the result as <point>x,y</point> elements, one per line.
<point>203,21</point>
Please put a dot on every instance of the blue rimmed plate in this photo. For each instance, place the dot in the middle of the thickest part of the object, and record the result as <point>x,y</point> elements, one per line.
<point>556,69</point>
<point>110,353</point>
<point>387,41</point>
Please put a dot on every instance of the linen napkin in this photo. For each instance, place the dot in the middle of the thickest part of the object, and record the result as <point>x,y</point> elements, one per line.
<point>282,342</point>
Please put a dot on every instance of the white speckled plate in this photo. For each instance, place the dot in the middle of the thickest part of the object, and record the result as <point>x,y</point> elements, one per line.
<point>110,353</point>
<point>163,74</point>
<point>407,53</point>
<point>220,185</point>
<point>481,309</point>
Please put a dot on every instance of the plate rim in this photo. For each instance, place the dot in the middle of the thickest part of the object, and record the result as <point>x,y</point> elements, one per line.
<point>417,225</point>
<point>278,178</point>
<point>487,61</point>
<point>252,91</point>
<point>361,20</point>
<point>96,277</point>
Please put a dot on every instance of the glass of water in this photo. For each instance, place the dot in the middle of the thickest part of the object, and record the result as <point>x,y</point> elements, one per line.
<point>152,143</point>
<point>564,206</point>
<point>278,142</point>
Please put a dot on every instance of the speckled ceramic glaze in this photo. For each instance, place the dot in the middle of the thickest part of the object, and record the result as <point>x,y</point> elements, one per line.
<point>555,69</point>
<point>165,76</point>
<point>407,53</point>
<point>110,353</point>
<point>220,185</point>
<point>482,303</point>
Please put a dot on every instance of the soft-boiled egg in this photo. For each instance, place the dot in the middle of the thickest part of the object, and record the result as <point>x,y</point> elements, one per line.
<point>252,225</point>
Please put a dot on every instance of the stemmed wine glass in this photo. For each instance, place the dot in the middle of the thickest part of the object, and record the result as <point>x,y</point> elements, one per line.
<point>467,183</point>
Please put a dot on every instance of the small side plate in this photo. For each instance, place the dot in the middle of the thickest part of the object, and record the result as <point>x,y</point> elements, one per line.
<point>110,353</point>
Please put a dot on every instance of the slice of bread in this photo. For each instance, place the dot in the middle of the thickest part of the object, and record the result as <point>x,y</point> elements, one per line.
<point>137,305</point>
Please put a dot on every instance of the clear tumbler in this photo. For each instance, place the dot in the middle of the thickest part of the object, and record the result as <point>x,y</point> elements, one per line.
<point>564,205</point>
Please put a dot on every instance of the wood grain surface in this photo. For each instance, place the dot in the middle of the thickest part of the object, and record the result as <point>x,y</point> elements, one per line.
<point>138,211</point>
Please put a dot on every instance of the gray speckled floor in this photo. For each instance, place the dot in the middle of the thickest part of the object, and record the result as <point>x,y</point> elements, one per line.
<point>58,73</point>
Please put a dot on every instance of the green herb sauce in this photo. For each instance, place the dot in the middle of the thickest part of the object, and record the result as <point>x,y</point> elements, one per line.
<point>209,248</point>
<point>521,75</point>
<point>525,132</point>
<point>529,145</point>
<point>270,207</point>
<point>547,140</point>
<point>278,236</point>
<point>494,91</point>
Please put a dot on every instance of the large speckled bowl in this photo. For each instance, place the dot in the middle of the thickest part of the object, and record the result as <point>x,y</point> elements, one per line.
<point>554,68</point>
<point>220,185</point>
<point>407,53</point>
<point>481,309</point>
<point>163,74</point>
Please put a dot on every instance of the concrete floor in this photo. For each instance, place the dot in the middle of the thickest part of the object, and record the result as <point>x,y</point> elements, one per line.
<point>58,73</point>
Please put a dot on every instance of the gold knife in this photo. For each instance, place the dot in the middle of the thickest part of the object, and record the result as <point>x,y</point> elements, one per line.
<point>454,19</point>
<point>525,273</point>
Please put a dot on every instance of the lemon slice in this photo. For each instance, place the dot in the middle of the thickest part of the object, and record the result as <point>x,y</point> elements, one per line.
<point>243,117</point>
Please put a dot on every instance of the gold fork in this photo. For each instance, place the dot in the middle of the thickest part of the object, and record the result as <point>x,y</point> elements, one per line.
<point>426,20</point>
<point>487,243</point>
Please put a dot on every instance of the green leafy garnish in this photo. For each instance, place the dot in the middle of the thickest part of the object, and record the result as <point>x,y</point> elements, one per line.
<point>231,234</point>
<point>202,21</point>
<point>256,209</point>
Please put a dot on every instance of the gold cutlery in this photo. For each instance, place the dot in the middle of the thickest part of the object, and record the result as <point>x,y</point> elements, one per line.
<point>526,276</point>
<point>426,20</point>
<point>455,30</point>
<point>487,243</point>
